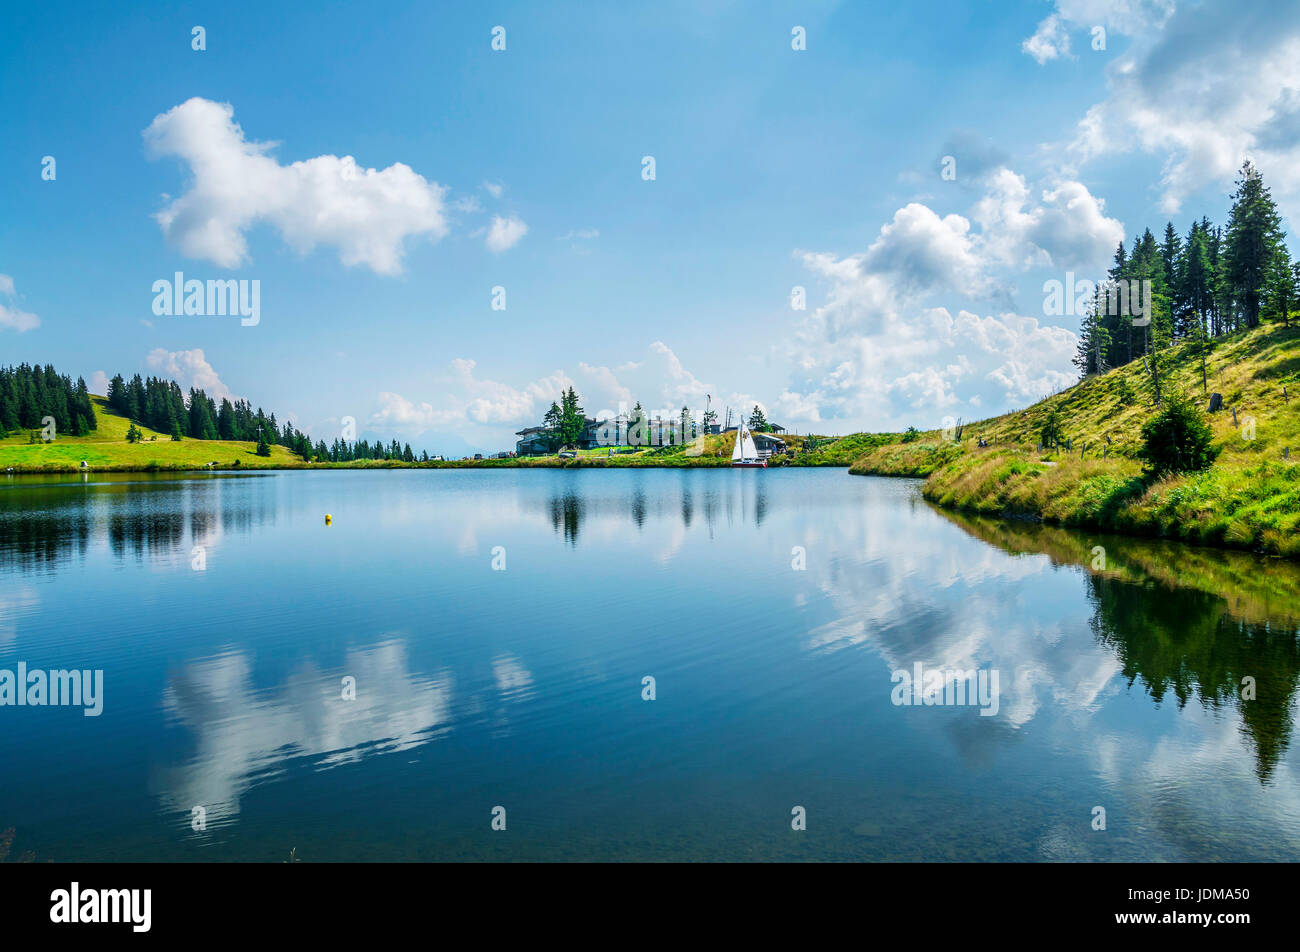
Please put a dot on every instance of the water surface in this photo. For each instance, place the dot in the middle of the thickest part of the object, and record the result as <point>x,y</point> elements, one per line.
<point>226,615</point>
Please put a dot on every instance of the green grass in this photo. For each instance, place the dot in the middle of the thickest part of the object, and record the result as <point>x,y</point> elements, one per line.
<point>106,448</point>
<point>1249,498</point>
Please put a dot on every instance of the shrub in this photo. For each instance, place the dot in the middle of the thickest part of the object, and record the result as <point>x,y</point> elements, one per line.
<point>1177,439</point>
<point>911,435</point>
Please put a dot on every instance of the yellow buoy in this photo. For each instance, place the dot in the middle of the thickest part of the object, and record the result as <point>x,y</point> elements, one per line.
<point>328,518</point>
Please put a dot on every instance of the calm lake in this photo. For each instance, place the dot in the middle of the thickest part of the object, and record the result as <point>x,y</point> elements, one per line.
<point>496,628</point>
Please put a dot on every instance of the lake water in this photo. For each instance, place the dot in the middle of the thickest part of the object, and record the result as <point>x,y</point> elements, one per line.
<point>499,625</point>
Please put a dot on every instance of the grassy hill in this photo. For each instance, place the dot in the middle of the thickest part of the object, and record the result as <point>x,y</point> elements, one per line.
<point>1249,498</point>
<point>106,448</point>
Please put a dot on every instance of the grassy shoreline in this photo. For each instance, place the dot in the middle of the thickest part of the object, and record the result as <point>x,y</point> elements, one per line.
<point>1248,499</point>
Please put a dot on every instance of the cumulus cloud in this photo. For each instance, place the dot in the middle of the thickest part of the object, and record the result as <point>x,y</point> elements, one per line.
<point>189,368</point>
<point>11,316</point>
<point>1064,227</point>
<point>365,214</point>
<point>98,384</point>
<point>887,347</point>
<point>918,250</point>
<point>505,233</point>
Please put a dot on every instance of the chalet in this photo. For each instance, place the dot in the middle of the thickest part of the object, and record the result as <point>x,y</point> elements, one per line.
<point>768,445</point>
<point>533,441</point>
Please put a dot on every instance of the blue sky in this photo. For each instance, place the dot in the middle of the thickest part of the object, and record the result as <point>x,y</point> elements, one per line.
<point>775,168</point>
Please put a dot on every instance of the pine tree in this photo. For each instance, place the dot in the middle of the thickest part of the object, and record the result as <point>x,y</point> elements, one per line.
<point>1094,338</point>
<point>572,421</point>
<point>1254,235</point>
<point>1280,285</point>
<point>1171,250</point>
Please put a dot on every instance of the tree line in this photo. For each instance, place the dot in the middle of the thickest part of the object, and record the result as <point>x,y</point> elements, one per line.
<point>1216,280</point>
<point>28,395</point>
<point>161,405</point>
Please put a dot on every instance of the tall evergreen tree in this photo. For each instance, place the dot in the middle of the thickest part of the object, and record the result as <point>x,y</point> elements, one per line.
<point>1254,236</point>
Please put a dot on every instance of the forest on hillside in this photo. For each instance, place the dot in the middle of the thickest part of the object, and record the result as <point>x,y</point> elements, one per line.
<point>161,405</point>
<point>30,395</point>
<point>1216,280</point>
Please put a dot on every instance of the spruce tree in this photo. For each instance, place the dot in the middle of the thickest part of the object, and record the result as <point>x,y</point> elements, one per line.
<point>1254,236</point>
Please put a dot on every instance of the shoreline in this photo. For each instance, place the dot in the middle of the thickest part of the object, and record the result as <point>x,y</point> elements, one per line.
<point>1009,485</point>
<point>597,463</point>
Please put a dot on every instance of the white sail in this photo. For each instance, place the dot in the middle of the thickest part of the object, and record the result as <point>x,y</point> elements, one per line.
<point>745,450</point>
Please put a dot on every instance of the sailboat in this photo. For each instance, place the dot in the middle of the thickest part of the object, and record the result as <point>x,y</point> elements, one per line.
<point>746,453</point>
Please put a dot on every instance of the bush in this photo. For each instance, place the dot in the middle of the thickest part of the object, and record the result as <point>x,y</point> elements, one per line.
<point>911,435</point>
<point>133,434</point>
<point>1177,439</point>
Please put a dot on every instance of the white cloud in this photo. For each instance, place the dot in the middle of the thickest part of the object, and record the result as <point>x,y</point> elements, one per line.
<point>98,383</point>
<point>11,316</point>
<point>475,401</point>
<point>366,214</point>
<point>494,189</point>
<point>918,250</point>
<point>189,368</point>
<point>1066,228</point>
<point>505,233</point>
<point>1129,17</point>
<point>1203,87</point>
<point>885,350</point>
<point>397,411</point>
<point>1049,41</point>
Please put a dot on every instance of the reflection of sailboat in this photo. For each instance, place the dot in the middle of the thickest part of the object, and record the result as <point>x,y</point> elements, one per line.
<point>745,453</point>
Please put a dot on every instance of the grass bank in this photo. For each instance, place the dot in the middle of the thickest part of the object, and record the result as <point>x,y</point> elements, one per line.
<point>1248,499</point>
